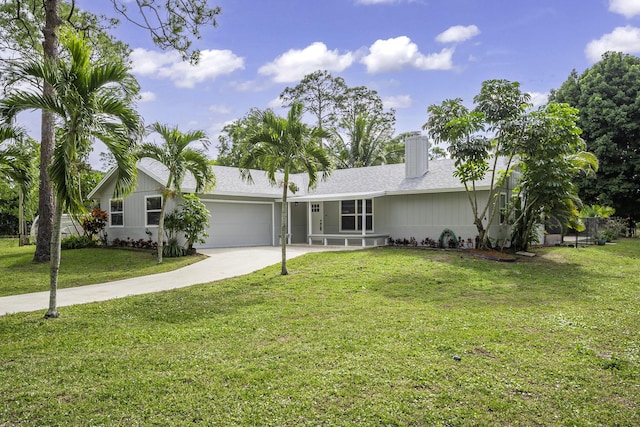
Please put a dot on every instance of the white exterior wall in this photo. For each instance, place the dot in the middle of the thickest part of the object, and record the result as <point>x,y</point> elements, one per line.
<point>428,215</point>
<point>415,215</point>
<point>134,209</point>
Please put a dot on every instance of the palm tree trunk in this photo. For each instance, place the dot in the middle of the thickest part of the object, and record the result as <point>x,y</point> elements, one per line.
<point>21,236</point>
<point>161,228</point>
<point>52,312</point>
<point>283,224</point>
<point>47,138</point>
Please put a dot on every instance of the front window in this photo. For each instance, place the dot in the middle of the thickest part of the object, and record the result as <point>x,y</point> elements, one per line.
<point>116,213</point>
<point>153,207</point>
<point>351,215</point>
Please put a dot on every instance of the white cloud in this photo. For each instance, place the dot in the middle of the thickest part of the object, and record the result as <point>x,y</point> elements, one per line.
<point>250,86</point>
<point>294,64</point>
<point>400,52</point>
<point>397,102</point>
<point>148,62</point>
<point>628,8</point>
<point>457,34</point>
<point>538,98</point>
<point>147,96</point>
<point>219,109</point>
<point>622,39</point>
<point>169,65</point>
<point>275,103</point>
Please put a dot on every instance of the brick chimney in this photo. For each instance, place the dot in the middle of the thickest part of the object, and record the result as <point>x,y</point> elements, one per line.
<point>416,156</point>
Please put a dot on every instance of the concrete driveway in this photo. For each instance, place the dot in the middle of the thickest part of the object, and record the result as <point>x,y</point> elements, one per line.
<point>220,264</point>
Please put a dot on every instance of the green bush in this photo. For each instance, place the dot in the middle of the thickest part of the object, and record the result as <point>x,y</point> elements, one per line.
<point>613,228</point>
<point>173,249</point>
<point>77,242</point>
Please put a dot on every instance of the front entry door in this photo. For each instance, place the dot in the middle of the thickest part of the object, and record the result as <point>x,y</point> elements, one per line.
<point>316,218</point>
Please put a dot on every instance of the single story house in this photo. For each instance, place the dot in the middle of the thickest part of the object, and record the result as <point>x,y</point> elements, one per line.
<point>363,206</point>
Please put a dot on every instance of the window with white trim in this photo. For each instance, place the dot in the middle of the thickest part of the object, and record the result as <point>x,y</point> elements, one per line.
<point>153,207</point>
<point>351,215</point>
<point>116,213</point>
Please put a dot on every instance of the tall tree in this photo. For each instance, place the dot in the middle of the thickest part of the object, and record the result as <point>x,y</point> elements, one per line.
<point>608,98</point>
<point>281,146</point>
<point>90,100</point>
<point>31,23</point>
<point>363,143</point>
<point>360,100</point>
<point>179,158</point>
<point>233,137</point>
<point>321,95</point>
<point>363,135</point>
<point>551,157</point>
<point>478,139</point>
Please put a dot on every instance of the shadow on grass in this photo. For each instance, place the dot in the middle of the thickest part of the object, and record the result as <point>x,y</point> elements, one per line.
<point>459,279</point>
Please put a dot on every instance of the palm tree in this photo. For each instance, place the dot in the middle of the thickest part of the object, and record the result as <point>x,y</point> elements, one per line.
<point>363,145</point>
<point>283,146</point>
<point>14,163</point>
<point>176,155</point>
<point>91,100</point>
<point>17,165</point>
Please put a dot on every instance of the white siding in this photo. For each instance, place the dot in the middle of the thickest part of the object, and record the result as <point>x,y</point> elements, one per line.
<point>134,209</point>
<point>427,215</point>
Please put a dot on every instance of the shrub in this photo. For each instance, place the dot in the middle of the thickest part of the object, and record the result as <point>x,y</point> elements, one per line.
<point>194,219</point>
<point>77,242</point>
<point>95,223</point>
<point>429,242</point>
<point>613,228</point>
<point>173,249</point>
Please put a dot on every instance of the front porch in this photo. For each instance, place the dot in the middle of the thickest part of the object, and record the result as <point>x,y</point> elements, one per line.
<point>328,239</point>
<point>338,219</point>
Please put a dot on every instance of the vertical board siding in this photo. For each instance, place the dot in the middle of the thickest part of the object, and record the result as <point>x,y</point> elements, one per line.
<point>427,215</point>
<point>134,209</point>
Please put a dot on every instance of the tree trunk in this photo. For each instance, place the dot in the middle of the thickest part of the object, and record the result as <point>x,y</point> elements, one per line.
<point>21,228</point>
<point>482,234</point>
<point>161,227</point>
<point>283,224</point>
<point>52,312</point>
<point>47,140</point>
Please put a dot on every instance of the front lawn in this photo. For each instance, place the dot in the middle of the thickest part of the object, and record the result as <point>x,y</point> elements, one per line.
<point>20,275</point>
<point>393,337</point>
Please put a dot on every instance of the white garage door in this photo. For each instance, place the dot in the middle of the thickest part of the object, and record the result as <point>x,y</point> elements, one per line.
<point>239,224</point>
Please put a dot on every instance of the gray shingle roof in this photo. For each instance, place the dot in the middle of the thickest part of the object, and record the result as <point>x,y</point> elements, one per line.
<point>342,183</point>
<point>228,180</point>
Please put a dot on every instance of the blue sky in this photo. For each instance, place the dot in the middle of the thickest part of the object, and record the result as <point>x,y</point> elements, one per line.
<point>413,52</point>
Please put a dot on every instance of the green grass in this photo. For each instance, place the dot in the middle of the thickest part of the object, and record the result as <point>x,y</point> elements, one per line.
<point>348,338</point>
<point>78,267</point>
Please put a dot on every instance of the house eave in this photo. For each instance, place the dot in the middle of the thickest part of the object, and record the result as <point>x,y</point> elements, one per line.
<point>434,190</point>
<point>101,183</point>
<point>237,194</point>
<point>335,197</point>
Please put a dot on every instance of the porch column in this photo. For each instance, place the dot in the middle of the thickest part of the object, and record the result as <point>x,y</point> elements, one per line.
<point>288,223</point>
<point>364,222</point>
<point>309,225</point>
